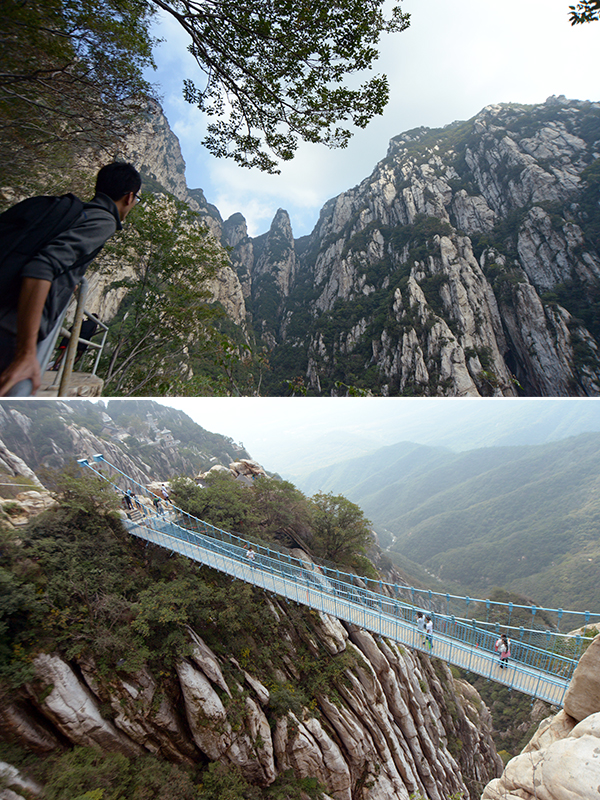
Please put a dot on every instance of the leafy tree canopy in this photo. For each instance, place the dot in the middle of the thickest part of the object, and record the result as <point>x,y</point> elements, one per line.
<point>166,319</point>
<point>329,526</point>
<point>282,508</point>
<point>341,530</point>
<point>71,75</point>
<point>275,71</point>
<point>71,79</point>
<point>586,11</point>
<point>224,503</point>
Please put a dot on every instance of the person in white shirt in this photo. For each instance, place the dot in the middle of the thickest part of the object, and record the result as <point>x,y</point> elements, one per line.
<point>502,647</point>
<point>429,631</point>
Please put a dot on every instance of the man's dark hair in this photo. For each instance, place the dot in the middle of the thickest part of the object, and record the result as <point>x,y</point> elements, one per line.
<point>118,179</point>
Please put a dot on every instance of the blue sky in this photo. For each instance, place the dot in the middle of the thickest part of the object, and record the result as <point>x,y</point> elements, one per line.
<point>457,57</point>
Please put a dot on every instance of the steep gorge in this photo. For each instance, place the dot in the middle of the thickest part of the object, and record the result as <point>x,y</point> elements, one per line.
<point>466,264</point>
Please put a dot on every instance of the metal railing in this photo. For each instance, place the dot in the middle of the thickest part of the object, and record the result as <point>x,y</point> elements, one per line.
<point>542,660</point>
<point>65,370</point>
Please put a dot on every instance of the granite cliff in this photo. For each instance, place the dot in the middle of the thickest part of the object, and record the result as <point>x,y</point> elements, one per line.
<point>142,438</point>
<point>397,725</point>
<point>467,263</point>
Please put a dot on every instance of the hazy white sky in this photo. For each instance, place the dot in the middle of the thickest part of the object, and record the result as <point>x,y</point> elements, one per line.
<point>296,435</point>
<point>457,57</point>
<point>287,434</point>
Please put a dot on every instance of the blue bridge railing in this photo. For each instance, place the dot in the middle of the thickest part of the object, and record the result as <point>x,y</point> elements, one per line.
<point>542,658</point>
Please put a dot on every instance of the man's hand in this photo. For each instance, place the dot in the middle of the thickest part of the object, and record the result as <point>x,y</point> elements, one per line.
<point>24,366</point>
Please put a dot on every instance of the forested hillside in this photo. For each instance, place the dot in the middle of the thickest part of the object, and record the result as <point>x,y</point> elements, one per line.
<point>523,518</point>
<point>147,440</point>
<point>124,668</point>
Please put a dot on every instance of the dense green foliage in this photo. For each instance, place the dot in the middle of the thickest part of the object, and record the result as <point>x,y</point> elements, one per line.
<point>72,76</point>
<point>71,80</point>
<point>226,783</point>
<point>87,774</point>
<point>340,527</point>
<point>166,322</point>
<point>330,527</point>
<point>73,582</point>
<point>224,502</point>
<point>76,582</point>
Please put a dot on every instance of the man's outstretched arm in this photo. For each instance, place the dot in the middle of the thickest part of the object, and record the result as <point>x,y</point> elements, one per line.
<point>32,298</point>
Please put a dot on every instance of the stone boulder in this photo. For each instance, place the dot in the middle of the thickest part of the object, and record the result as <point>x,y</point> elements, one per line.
<point>583,695</point>
<point>11,463</point>
<point>72,708</point>
<point>565,769</point>
<point>11,777</point>
<point>251,469</point>
<point>562,761</point>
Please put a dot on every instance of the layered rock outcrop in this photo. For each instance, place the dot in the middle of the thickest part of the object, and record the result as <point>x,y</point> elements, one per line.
<point>392,731</point>
<point>244,470</point>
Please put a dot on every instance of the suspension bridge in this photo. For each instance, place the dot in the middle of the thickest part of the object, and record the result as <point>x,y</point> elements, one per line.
<point>542,659</point>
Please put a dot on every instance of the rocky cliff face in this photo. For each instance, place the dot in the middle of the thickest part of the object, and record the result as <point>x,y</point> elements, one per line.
<point>466,264</point>
<point>398,724</point>
<point>141,438</point>
<point>362,715</point>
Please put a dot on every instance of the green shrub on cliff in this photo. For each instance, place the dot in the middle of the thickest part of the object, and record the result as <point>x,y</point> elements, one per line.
<point>76,584</point>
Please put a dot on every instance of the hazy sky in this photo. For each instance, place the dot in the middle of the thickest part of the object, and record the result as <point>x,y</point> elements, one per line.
<point>296,435</point>
<point>457,57</point>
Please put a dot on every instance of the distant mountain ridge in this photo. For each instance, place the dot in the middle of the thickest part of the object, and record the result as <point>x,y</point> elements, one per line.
<point>146,440</point>
<point>454,423</point>
<point>525,518</point>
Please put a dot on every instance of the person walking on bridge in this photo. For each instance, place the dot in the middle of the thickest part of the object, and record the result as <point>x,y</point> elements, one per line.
<point>421,626</point>
<point>429,631</point>
<point>502,647</point>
